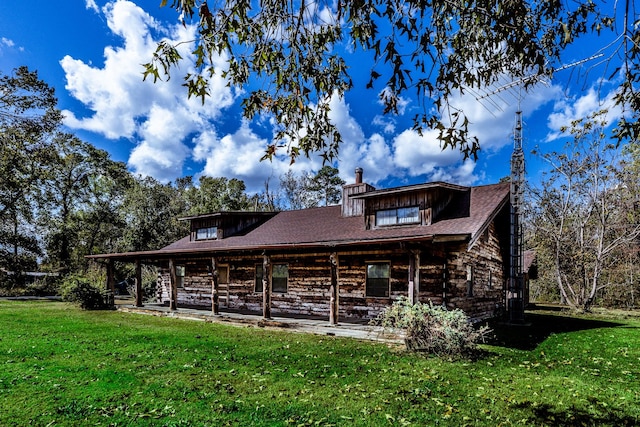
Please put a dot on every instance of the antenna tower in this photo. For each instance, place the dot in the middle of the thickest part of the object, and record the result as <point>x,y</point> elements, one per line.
<point>515,295</point>
<point>515,289</point>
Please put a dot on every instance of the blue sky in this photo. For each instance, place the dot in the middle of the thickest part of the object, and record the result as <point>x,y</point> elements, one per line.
<point>91,51</point>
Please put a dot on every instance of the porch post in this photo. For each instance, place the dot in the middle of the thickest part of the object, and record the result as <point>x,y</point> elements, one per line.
<point>414,276</point>
<point>111,282</point>
<point>215,305</point>
<point>173,286</point>
<point>411,292</point>
<point>444,284</point>
<point>138,283</point>
<point>333,290</point>
<point>266,287</point>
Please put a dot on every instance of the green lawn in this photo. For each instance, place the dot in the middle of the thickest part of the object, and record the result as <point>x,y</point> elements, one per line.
<point>63,366</point>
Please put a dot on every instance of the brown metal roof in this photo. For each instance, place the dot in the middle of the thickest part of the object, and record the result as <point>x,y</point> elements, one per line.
<point>325,227</point>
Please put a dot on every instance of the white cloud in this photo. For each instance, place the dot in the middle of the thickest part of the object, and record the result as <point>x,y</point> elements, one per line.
<point>401,104</point>
<point>156,161</point>
<point>388,124</point>
<point>235,155</point>
<point>421,155</point>
<point>372,154</point>
<point>157,117</point>
<point>91,5</point>
<point>567,110</point>
<point>6,42</point>
<point>169,130</point>
<point>492,118</point>
<point>9,45</point>
<point>238,155</point>
<point>405,157</point>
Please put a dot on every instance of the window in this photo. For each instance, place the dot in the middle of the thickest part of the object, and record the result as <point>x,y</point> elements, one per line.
<point>378,279</point>
<point>279,277</point>
<point>398,216</point>
<point>258,278</point>
<point>207,233</point>
<point>180,273</point>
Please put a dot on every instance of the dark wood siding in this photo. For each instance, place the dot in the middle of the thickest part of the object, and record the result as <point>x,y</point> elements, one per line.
<point>443,279</point>
<point>433,203</point>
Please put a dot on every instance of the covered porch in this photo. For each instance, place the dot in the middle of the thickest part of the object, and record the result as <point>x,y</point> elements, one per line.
<point>329,290</point>
<point>300,324</point>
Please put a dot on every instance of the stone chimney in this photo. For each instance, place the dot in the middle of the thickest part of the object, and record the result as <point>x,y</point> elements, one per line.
<point>354,207</point>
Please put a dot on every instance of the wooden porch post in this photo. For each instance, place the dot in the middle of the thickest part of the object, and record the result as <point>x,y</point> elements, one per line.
<point>138,283</point>
<point>111,283</point>
<point>173,286</point>
<point>334,290</point>
<point>266,287</point>
<point>412,284</point>
<point>414,276</point>
<point>215,304</point>
<point>444,284</point>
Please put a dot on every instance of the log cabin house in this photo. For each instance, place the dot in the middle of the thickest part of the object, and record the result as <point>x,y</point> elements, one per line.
<point>437,242</point>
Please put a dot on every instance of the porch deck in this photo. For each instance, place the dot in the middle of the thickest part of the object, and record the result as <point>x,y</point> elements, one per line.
<point>346,328</point>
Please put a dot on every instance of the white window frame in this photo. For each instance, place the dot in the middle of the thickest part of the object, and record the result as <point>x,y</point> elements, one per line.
<point>207,233</point>
<point>398,216</point>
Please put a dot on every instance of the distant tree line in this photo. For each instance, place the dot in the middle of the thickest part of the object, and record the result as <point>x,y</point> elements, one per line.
<point>62,198</point>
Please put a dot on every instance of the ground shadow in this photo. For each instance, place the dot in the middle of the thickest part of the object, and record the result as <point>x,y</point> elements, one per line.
<point>546,414</point>
<point>538,327</point>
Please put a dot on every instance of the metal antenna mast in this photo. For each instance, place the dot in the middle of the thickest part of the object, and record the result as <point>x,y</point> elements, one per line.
<point>515,285</point>
<point>515,296</point>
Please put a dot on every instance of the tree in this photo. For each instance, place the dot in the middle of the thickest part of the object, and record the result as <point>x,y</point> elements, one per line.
<point>326,186</point>
<point>287,57</point>
<point>295,190</point>
<point>217,195</point>
<point>28,116</point>
<point>308,191</point>
<point>102,218</point>
<point>150,211</point>
<point>626,276</point>
<point>268,200</point>
<point>80,196</point>
<point>584,214</point>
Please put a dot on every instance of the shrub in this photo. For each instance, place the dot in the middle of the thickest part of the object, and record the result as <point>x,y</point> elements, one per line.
<point>18,285</point>
<point>86,293</point>
<point>432,328</point>
<point>44,287</point>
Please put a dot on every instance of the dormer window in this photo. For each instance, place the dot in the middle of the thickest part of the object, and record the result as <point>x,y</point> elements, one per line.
<point>398,216</point>
<point>207,233</point>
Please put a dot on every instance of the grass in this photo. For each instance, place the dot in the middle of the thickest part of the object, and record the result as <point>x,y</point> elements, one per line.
<point>62,366</point>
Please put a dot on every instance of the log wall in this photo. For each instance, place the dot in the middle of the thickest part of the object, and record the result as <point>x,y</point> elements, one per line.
<point>468,279</point>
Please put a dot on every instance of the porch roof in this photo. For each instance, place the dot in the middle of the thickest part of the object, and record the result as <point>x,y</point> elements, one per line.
<point>325,227</point>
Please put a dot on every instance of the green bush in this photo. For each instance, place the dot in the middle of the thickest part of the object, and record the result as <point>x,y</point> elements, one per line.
<point>87,294</point>
<point>44,287</point>
<point>432,328</point>
<point>20,285</point>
